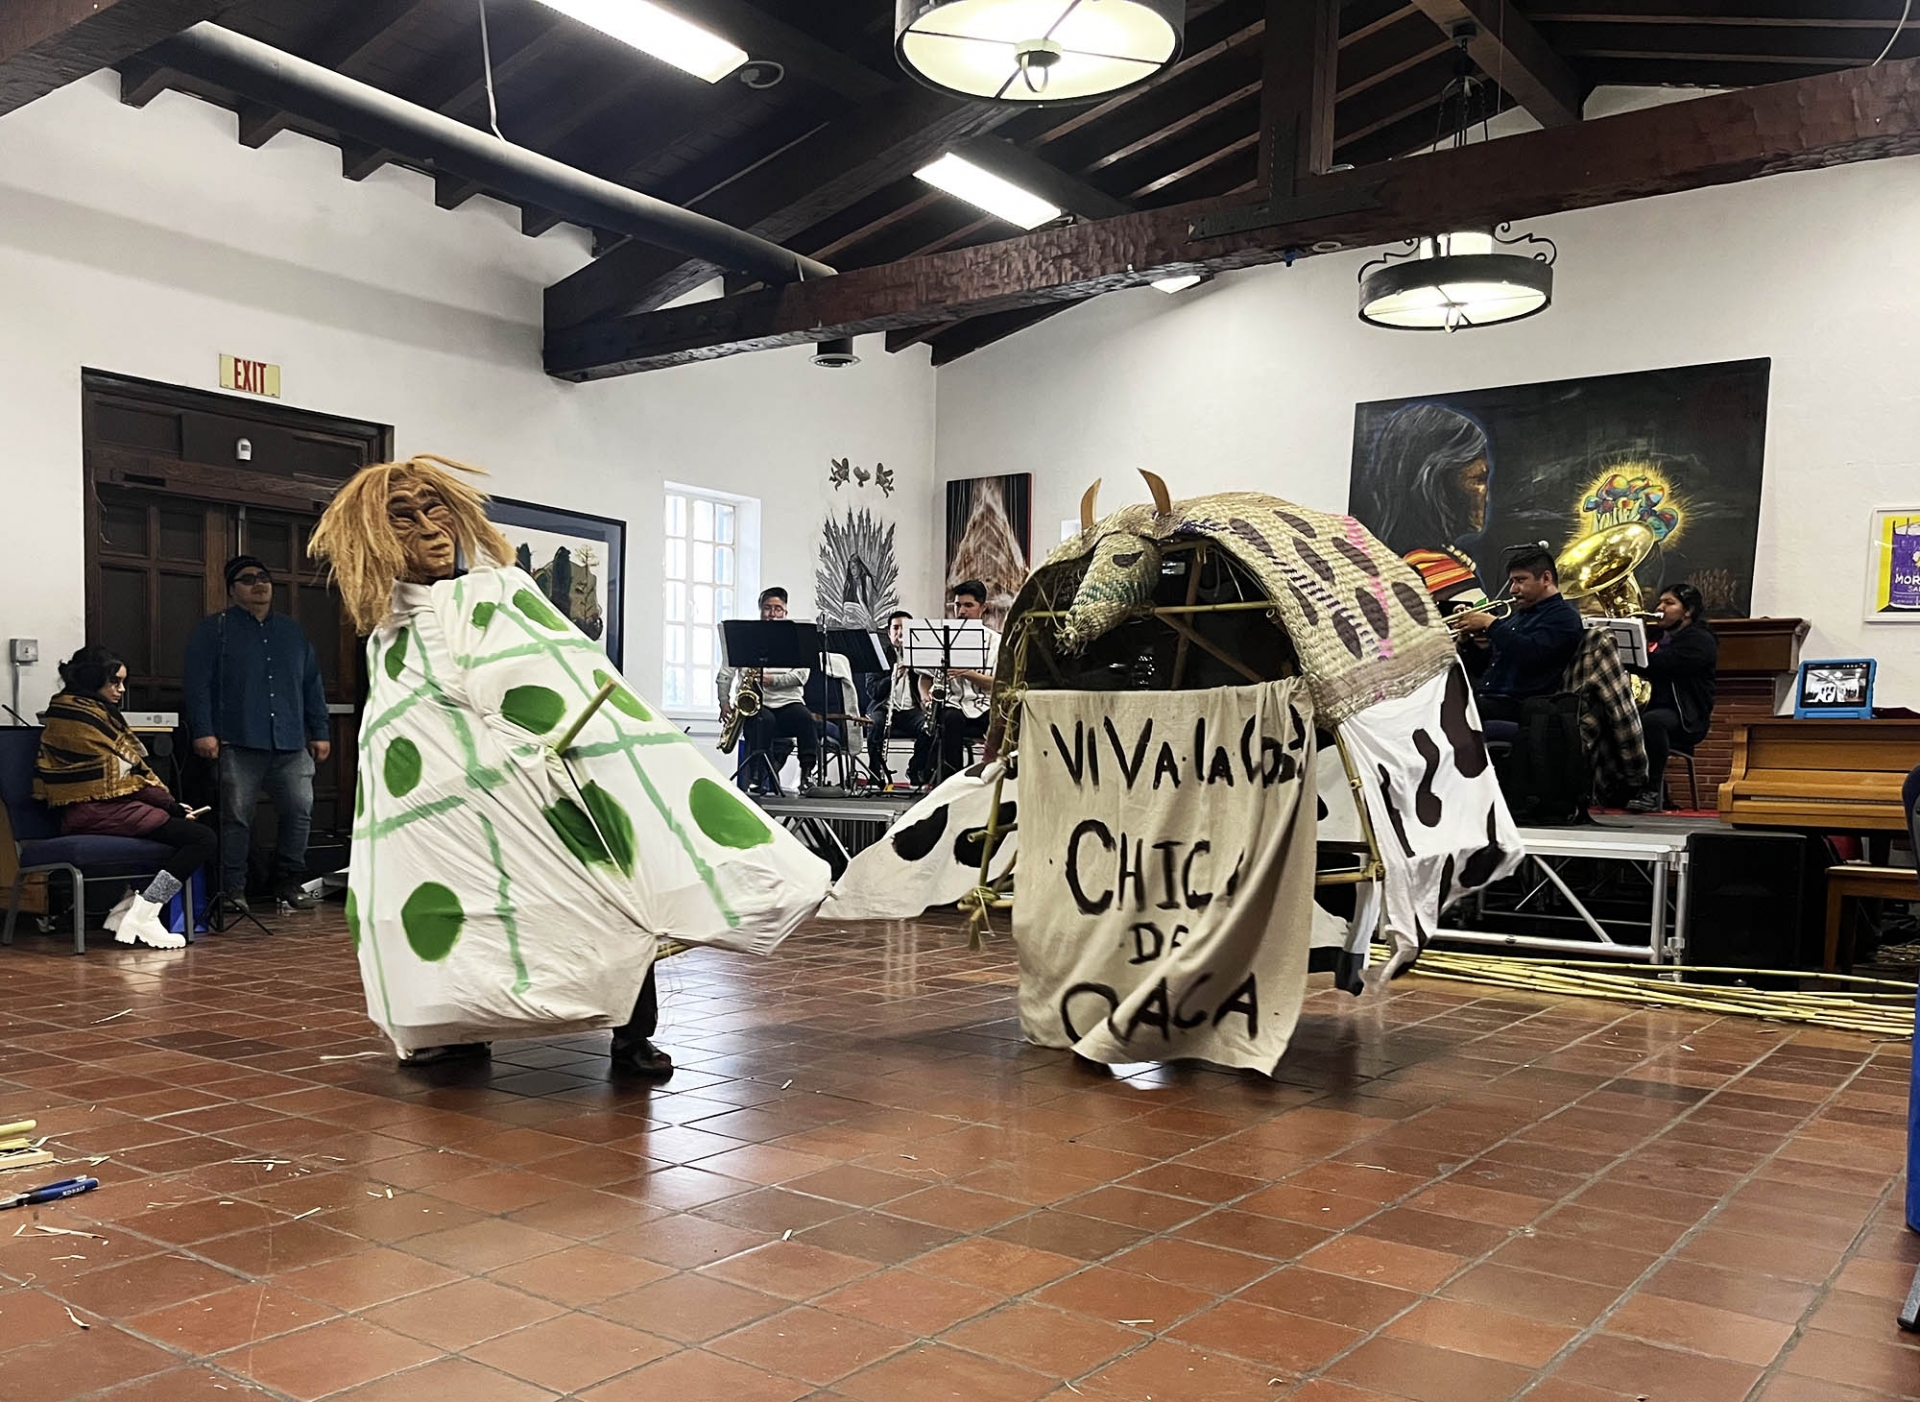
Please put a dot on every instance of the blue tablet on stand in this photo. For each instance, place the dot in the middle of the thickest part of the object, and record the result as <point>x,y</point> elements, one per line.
<point>1836,689</point>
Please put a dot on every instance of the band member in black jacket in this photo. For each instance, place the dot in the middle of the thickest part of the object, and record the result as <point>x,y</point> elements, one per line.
<point>1681,661</point>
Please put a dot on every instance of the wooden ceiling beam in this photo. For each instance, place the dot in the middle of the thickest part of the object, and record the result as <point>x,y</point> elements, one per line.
<point>983,331</point>
<point>1298,85</point>
<point>1859,114</point>
<point>1037,177</point>
<point>749,27</point>
<point>46,44</point>
<point>826,171</point>
<point>1741,14</point>
<point>1705,43</point>
<point>1510,51</point>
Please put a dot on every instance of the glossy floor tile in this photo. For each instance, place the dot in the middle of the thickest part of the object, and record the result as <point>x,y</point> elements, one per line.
<point>861,1186</point>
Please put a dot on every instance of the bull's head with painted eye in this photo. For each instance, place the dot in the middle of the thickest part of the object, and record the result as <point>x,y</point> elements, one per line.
<point>1122,574</point>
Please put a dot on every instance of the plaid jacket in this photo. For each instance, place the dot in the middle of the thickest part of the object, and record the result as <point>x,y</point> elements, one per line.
<point>1609,720</point>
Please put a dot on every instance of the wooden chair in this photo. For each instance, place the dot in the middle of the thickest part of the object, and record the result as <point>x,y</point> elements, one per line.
<point>1852,881</point>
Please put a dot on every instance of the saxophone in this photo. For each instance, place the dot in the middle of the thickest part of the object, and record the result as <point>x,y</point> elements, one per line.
<point>937,692</point>
<point>746,705</point>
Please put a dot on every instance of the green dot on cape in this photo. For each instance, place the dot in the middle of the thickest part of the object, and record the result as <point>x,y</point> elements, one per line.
<point>483,615</point>
<point>600,834</point>
<point>353,918</point>
<point>535,708</point>
<point>622,699</point>
<point>432,918</point>
<point>539,610</point>
<point>726,817</point>
<point>396,658</point>
<point>402,767</point>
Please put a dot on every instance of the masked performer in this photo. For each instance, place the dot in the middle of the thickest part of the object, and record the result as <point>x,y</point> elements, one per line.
<point>498,887</point>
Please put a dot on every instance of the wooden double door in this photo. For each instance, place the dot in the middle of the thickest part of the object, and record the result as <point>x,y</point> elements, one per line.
<point>179,482</point>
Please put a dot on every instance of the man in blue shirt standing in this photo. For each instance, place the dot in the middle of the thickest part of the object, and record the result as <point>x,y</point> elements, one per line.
<point>1532,646</point>
<point>256,705</point>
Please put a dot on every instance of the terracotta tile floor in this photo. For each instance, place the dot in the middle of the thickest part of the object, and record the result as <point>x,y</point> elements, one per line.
<point>861,1185</point>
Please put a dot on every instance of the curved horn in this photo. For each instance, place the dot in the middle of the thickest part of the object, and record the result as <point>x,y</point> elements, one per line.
<point>1162,503</point>
<point>1087,503</point>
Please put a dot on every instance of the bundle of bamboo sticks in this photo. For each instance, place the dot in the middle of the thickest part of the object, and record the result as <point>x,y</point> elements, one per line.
<point>1878,1007</point>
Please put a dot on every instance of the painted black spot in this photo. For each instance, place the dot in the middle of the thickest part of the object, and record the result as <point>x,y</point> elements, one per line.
<point>1393,810</point>
<point>1357,557</point>
<point>1349,634</point>
<point>1469,745</point>
<point>1426,803</point>
<point>914,841</point>
<point>1481,866</point>
<point>1446,883</point>
<point>1313,561</point>
<point>1322,803</point>
<point>1297,525</point>
<point>1371,610</point>
<point>1414,601</point>
<point>1307,610</point>
<point>1128,560</point>
<point>971,845</point>
<point>1250,533</point>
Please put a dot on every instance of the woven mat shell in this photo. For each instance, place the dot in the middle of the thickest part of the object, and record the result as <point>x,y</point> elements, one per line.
<point>1359,616</point>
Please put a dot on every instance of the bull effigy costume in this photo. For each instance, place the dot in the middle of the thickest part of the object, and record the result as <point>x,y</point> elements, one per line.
<point>1186,691</point>
<point>513,868</point>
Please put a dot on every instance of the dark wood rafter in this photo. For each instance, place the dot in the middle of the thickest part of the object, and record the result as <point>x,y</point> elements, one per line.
<point>47,44</point>
<point>1510,51</point>
<point>824,172</point>
<point>1831,119</point>
<point>802,56</point>
<point>1297,90</point>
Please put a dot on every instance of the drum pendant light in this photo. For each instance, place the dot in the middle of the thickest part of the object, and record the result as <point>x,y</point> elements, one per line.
<point>1037,51</point>
<point>1469,277</point>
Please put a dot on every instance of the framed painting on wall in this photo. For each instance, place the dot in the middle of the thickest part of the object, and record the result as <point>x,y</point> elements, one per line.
<point>990,538</point>
<point>578,560</point>
<point>1893,567</point>
<point>1465,476</point>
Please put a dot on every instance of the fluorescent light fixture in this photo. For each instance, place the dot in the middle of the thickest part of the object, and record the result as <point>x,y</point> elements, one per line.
<point>1170,285</point>
<point>967,181</point>
<point>659,32</point>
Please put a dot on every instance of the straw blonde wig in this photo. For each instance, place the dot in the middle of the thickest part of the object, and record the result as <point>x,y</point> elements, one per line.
<point>356,537</point>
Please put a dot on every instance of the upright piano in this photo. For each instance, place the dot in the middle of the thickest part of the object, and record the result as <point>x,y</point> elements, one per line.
<point>1835,776</point>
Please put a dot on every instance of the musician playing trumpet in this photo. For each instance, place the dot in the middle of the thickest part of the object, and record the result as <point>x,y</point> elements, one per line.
<point>1531,646</point>
<point>782,721</point>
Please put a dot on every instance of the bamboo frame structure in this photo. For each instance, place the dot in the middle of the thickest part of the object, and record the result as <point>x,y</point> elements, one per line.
<point>991,894</point>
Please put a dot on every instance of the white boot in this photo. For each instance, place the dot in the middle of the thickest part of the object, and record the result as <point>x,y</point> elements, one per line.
<point>142,923</point>
<point>119,911</point>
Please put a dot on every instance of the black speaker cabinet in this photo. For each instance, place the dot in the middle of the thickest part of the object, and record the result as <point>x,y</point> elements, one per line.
<point>1746,899</point>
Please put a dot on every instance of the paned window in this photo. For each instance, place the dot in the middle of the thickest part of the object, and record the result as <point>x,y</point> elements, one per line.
<point>702,567</point>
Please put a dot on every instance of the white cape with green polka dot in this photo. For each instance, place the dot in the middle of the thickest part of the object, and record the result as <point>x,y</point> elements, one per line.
<point>496,891</point>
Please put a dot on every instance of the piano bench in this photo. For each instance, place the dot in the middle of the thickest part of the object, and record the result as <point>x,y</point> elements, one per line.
<point>1850,882</point>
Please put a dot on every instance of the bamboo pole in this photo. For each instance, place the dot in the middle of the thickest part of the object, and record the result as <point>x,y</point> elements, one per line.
<point>599,699</point>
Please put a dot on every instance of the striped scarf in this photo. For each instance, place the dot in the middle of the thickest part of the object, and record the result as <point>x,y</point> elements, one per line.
<point>87,753</point>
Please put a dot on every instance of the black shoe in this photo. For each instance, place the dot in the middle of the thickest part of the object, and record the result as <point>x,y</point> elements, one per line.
<point>441,1056</point>
<point>642,1059</point>
<point>1646,801</point>
<point>235,902</point>
<point>296,896</point>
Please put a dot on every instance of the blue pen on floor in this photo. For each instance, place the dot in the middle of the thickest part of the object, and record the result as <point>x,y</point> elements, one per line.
<point>53,1192</point>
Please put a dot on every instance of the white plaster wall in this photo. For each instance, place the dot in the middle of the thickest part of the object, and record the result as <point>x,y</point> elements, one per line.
<point>148,242</point>
<point>1250,381</point>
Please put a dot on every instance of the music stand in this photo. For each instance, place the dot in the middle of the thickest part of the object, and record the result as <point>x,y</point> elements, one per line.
<point>866,653</point>
<point>1629,638</point>
<point>762,644</point>
<point>938,646</point>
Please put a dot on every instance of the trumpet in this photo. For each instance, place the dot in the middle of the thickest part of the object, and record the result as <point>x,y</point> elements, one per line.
<point>746,705</point>
<point>1498,608</point>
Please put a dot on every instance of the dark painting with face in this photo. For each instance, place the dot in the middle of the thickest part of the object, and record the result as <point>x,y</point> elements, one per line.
<point>1677,451</point>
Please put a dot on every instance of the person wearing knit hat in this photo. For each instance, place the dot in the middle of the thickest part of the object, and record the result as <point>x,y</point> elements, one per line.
<point>257,707</point>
